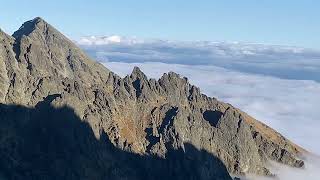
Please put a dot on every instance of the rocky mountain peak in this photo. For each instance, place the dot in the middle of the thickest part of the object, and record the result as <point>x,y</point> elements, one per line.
<point>138,74</point>
<point>36,24</point>
<point>78,120</point>
<point>45,52</point>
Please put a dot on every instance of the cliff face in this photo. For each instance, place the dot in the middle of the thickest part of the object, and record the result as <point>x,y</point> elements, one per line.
<point>45,72</point>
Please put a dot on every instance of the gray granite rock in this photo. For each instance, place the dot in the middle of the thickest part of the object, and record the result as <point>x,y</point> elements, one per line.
<point>137,115</point>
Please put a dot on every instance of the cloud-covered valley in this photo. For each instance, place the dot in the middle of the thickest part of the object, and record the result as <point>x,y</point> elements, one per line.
<point>278,85</point>
<point>286,105</point>
<point>272,60</point>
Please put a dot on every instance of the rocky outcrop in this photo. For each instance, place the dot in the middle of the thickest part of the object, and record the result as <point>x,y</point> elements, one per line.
<point>140,116</point>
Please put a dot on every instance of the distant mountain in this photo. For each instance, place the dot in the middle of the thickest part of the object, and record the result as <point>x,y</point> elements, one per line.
<point>65,116</point>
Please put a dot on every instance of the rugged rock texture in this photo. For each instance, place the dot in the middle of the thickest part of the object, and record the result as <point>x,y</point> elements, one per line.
<point>78,120</point>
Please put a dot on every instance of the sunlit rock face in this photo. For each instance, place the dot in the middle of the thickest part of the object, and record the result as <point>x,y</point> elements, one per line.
<point>165,128</point>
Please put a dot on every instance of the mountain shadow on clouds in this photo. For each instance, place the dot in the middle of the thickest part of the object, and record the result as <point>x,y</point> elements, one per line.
<point>45,142</point>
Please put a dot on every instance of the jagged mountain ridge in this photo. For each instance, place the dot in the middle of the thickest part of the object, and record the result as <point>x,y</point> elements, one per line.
<point>137,114</point>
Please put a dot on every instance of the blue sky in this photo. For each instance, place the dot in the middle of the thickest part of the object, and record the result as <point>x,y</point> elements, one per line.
<point>287,22</point>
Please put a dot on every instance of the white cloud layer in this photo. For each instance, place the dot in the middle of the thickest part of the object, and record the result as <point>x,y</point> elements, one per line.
<point>278,61</point>
<point>310,172</point>
<point>107,40</point>
<point>278,85</point>
<point>289,106</point>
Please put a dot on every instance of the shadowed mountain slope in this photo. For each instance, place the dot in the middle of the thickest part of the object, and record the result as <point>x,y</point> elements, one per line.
<point>45,142</point>
<point>145,118</point>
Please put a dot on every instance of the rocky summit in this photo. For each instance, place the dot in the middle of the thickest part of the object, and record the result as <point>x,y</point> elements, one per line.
<point>65,116</point>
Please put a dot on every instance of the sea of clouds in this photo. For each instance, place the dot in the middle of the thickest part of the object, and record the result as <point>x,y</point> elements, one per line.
<point>272,60</point>
<point>279,85</point>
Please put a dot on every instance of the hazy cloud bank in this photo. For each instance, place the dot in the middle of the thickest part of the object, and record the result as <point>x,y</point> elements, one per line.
<point>278,85</point>
<point>263,80</point>
<point>289,106</point>
<point>278,61</point>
